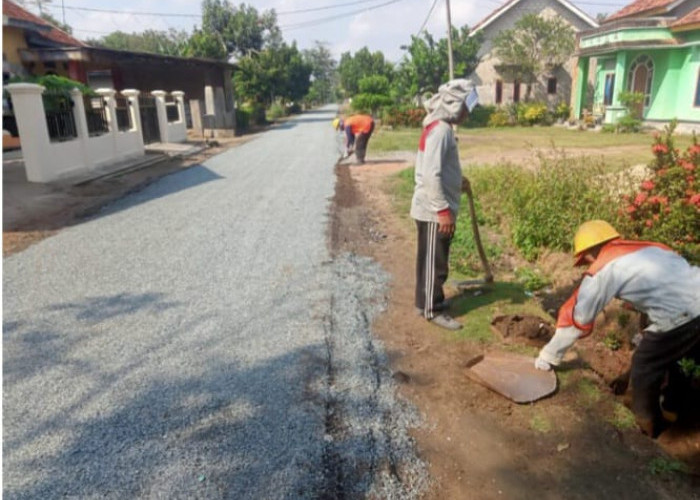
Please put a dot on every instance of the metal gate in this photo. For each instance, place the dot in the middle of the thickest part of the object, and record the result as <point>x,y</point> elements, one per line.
<point>149,120</point>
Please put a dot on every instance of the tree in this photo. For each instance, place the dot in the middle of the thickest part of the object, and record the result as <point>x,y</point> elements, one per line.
<point>534,47</point>
<point>323,73</point>
<point>275,73</point>
<point>242,28</point>
<point>425,66</point>
<point>374,94</point>
<point>50,19</point>
<point>172,42</point>
<point>352,69</point>
<point>205,44</point>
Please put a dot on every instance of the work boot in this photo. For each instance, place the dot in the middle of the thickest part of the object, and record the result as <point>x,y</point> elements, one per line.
<point>446,321</point>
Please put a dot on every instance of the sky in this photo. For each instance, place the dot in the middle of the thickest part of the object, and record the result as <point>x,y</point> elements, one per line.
<point>344,25</point>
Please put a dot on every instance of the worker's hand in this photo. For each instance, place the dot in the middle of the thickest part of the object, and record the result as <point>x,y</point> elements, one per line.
<point>446,223</point>
<point>541,364</point>
<point>466,187</point>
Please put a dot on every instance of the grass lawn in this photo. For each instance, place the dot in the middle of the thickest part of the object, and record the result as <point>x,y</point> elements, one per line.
<point>484,144</point>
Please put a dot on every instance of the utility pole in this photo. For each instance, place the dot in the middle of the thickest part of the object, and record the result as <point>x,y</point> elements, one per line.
<point>63,9</point>
<point>449,40</point>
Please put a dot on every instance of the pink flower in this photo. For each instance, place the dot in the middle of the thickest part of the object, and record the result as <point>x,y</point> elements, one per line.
<point>694,149</point>
<point>648,223</point>
<point>647,185</point>
<point>695,200</point>
<point>631,209</point>
<point>640,198</point>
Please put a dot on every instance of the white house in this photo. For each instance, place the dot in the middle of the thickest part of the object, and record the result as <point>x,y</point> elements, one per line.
<point>553,88</point>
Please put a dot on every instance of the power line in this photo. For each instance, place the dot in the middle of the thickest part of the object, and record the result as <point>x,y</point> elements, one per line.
<point>428,16</point>
<point>323,20</point>
<point>313,9</point>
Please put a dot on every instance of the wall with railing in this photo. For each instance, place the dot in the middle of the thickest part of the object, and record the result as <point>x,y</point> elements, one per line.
<point>66,135</point>
<point>171,115</point>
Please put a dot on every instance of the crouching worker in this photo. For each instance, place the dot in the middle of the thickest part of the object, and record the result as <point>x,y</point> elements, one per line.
<point>358,130</point>
<point>657,282</point>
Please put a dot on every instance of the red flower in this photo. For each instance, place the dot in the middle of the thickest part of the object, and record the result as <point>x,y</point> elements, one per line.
<point>648,223</point>
<point>647,185</point>
<point>695,200</point>
<point>640,198</point>
<point>690,179</point>
<point>663,200</point>
<point>631,209</point>
<point>687,165</point>
<point>694,149</point>
<point>661,172</point>
<point>659,148</point>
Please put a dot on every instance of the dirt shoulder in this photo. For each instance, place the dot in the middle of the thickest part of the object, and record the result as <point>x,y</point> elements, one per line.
<point>479,444</point>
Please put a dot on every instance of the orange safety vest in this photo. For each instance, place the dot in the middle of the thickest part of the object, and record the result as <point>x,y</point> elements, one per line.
<point>609,252</point>
<point>359,124</point>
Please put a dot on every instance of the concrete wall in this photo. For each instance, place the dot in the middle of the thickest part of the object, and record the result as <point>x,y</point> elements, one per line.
<point>47,161</point>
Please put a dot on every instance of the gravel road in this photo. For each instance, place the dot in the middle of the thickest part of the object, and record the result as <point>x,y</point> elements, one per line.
<point>197,340</point>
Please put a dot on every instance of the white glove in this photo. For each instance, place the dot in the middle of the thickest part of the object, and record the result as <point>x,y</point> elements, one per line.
<point>541,364</point>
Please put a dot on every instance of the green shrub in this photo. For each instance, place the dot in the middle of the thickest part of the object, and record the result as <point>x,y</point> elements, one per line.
<point>562,111</point>
<point>256,113</point>
<point>275,111</point>
<point>242,120</point>
<point>608,128</point>
<point>370,103</point>
<point>531,279</point>
<point>479,117</point>
<point>403,117</point>
<point>500,118</point>
<point>666,206</point>
<point>532,113</point>
<point>294,108</point>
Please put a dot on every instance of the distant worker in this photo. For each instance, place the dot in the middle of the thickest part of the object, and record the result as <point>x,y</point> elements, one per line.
<point>358,129</point>
<point>436,197</point>
<point>657,282</point>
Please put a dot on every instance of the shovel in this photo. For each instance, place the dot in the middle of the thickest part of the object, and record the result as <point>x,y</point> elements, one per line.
<point>488,278</point>
<point>512,375</point>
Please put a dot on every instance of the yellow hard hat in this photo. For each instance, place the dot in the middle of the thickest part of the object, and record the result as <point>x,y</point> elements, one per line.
<point>336,122</point>
<point>590,234</point>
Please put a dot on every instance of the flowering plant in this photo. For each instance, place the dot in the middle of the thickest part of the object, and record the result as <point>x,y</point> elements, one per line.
<point>666,206</point>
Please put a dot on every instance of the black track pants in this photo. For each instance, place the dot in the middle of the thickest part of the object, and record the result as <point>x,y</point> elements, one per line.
<point>655,355</point>
<point>361,144</point>
<point>431,266</point>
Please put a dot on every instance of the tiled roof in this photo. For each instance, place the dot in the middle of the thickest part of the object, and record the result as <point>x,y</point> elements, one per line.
<point>692,18</point>
<point>13,11</point>
<point>510,3</point>
<point>645,7</point>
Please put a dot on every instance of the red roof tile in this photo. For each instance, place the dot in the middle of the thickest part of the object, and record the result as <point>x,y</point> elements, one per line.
<point>639,7</point>
<point>13,11</point>
<point>692,18</point>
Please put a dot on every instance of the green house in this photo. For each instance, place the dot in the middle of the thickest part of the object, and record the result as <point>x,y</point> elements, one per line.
<point>652,47</point>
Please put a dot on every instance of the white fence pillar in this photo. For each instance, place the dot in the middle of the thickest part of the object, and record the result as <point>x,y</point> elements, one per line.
<point>108,96</point>
<point>133,96</point>
<point>31,125</point>
<point>162,114</point>
<point>177,131</point>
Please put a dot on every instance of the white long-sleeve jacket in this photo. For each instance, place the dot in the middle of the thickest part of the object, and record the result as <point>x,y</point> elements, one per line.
<point>650,276</point>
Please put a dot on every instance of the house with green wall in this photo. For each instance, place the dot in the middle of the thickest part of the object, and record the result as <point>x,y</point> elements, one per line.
<point>651,47</point>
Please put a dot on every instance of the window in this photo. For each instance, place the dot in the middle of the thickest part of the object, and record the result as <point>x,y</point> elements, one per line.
<point>516,91</point>
<point>499,91</point>
<point>697,91</point>
<point>609,89</point>
<point>551,85</point>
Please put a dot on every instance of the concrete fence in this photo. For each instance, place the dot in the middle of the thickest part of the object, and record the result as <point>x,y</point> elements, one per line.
<point>84,151</point>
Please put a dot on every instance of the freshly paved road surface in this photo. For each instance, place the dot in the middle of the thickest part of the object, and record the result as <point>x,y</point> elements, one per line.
<point>196,340</point>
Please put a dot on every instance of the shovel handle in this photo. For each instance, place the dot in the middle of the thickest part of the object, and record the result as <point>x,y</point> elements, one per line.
<point>467,188</point>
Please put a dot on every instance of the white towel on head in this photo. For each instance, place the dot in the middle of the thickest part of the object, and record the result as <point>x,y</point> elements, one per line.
<point>447,103</point>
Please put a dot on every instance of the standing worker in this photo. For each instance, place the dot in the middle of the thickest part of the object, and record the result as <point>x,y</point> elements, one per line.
<point>358,129</point>
<point>657,282</point>
<point>438,185</point>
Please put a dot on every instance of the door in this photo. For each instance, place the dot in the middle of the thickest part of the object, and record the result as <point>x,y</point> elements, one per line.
<point>149,120</point>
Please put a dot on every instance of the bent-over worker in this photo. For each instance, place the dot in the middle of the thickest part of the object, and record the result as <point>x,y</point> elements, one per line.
<point>657,282</point>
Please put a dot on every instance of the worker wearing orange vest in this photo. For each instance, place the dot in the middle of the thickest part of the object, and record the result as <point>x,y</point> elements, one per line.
<point>657,282</point>
<point>358,129</point>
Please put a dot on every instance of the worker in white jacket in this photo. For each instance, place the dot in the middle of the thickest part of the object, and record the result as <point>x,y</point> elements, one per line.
<point>657,282</point>
<point>435,204</point>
